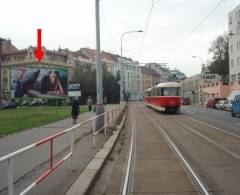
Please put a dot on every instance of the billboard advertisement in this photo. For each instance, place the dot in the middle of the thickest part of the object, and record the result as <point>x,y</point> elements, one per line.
<point>37,82</point>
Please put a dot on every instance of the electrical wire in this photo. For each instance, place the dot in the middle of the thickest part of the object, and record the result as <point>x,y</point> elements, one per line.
<point>196,27</point>
<point>108,30</point>
<point>145,29</point>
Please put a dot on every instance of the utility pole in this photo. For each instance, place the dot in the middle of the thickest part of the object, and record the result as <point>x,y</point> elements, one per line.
<point>99,106</point>
<point>1,97</point>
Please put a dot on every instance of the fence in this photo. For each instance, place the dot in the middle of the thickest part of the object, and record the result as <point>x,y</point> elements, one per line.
<point>108,117</point>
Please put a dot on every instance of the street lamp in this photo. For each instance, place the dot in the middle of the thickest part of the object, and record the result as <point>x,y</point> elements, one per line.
<point>121,86</point>
<point>203,65</point>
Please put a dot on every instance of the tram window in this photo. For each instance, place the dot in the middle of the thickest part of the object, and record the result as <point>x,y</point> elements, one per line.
<point>155,92</point>
<point>171,91</point>
<point>162,91</point>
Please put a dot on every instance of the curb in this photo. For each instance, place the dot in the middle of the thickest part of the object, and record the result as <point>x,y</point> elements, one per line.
<point>89,174</point>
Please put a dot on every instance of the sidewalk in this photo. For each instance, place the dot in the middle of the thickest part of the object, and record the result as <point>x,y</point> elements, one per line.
<point>30,160</point>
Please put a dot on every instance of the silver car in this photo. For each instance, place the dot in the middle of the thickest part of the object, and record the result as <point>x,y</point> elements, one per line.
<point>228,105</point>
<point>220,104</point>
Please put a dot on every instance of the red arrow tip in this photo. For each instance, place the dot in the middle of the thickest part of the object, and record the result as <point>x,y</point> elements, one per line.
<point>39,54</point>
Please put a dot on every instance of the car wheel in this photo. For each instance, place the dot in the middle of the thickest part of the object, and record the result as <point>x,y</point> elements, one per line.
<point>233,114</point>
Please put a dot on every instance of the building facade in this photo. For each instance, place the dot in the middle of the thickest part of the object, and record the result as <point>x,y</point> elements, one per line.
<point>234,47</point>
<point>131,78</point>
<point>150,78</point>
<point>191,86</point>
<point>89,56</point>
<point>161,69</point>
<point>220,89</point>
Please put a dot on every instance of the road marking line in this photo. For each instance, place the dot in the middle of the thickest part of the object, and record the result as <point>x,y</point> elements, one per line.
<point>188,111</point>
<point>210,140</point>
<point>224,131</point>
<point>185,162</point>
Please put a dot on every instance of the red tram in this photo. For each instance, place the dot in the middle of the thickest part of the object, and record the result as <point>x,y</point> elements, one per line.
<point>164,97</point>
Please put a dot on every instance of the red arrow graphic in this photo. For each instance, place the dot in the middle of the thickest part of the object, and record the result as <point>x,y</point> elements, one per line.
<point>39,52</point>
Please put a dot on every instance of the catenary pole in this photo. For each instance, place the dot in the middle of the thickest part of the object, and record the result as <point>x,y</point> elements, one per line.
<point>99,90</point>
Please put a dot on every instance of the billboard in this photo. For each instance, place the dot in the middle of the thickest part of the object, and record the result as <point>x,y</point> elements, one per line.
<point>38,82</point>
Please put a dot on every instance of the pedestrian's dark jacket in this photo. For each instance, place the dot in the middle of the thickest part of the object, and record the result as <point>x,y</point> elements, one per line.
<point>75,108</point>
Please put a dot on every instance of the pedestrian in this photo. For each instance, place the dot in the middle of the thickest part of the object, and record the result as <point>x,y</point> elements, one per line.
<point>95,106</point>
<point>105,100</point>
<point>75,110</point>
<point>89,103</point>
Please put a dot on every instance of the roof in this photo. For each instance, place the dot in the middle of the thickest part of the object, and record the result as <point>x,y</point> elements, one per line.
<point>91,54</point>
<point>149,71</point>
<point>168,84</point>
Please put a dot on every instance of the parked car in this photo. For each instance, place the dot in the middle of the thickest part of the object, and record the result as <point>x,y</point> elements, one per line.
<point>228,105</point>
<point>37,102</point>
<point>212,102</point>
<point>220,104</point>
<point>7,105</point>
<point>235,106</point>
<point>185,101</point>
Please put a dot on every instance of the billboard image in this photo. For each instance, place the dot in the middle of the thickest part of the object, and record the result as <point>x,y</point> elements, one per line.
<point>38,82</point>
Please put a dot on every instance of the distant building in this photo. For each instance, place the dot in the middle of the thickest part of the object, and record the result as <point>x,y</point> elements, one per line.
<point>87,55</point>
<point>219,89</point>
<point>176,75</point>
<point>234,48</point>
<point>131,78</point>
<point>150,78</point>
<point>191,86</point>
<point>8,47</point>
<point>161,69</point>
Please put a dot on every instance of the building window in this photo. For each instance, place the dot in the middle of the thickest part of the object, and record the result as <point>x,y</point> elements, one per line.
<point>232,64</point>
<point>238,61</point>
<point>230,20</point>
<point>238,45</point>
<point>233,77</point>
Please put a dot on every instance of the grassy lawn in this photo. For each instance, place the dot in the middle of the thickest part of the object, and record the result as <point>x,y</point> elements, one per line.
<point>15,120</point>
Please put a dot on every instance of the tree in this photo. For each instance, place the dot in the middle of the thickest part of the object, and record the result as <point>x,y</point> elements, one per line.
<point>85,74</point>
<point>220,59</point>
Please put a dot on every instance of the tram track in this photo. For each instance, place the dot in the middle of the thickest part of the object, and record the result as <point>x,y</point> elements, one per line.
<point>128,177</point>
<point>201,186</point>
<point>211,156</point>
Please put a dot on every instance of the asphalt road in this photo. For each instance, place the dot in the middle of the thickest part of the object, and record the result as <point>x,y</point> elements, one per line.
<point>208,140</point>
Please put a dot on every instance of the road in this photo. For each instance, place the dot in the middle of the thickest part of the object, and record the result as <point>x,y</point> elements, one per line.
<point>197,150</point>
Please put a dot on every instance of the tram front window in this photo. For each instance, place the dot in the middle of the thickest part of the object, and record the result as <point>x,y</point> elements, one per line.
<point>171,91</point>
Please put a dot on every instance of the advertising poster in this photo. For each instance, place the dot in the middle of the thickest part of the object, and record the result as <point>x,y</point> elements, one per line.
<point>38,82</point>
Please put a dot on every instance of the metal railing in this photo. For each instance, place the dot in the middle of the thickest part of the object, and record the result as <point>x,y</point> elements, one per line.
<point>109,117</point>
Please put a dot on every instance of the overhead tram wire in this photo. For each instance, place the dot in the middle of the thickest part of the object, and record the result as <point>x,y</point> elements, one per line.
<point>108,30</point>
<point>196,27</point>
<point>145,29</point>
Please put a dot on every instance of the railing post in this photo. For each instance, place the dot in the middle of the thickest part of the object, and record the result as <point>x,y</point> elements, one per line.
<point>94,131</point>
<point>51,153</point>
<point>10,176</point>
<point>105,123</point>
<point>72,146</point>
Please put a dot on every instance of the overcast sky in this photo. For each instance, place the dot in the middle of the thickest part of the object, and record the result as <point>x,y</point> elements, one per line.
<point>71,24</point>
